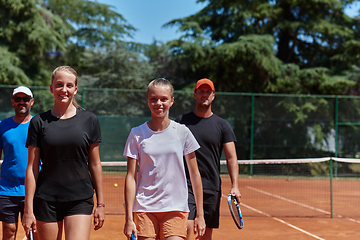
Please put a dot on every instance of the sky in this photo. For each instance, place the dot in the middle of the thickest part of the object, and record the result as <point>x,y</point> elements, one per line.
<point>148,16</point>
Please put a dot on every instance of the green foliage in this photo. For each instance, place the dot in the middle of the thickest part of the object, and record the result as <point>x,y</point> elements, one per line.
<point>270,46</point>
<point>10,73</point>
<point>117,68</point>
<point>258,67</point>
<point>89,23</point>
<point>37,36</point>
<point>26,34</point>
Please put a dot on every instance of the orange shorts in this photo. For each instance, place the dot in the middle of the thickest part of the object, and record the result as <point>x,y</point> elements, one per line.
<point>161,225</point>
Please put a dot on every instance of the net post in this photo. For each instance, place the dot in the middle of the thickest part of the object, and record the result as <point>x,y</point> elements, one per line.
<point>331,188</point>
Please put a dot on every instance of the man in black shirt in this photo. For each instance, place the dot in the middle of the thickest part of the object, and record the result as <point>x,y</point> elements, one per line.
<point>213,134</point>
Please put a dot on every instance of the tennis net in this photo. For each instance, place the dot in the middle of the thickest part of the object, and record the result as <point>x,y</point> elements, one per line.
<point>311,187</point>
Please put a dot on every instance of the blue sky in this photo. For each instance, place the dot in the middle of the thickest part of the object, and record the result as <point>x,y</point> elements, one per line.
<point>148,16</point>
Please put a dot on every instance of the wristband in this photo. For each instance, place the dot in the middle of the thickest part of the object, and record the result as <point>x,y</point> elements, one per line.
<point>101,204</point>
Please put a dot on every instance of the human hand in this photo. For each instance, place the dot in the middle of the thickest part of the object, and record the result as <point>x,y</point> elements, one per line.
<point>99,217</point>
<point>236,192</point>
<point>199,226</point>
<point>129,229</point>
<point>28,222</point>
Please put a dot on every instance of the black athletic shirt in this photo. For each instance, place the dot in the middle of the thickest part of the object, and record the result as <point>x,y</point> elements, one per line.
<point>64,150</point>
<point>211,133</point>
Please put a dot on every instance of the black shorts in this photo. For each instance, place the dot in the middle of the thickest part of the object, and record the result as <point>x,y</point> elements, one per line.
<point>49,211</point>
<point>10,207</point>
<point>211,203</point>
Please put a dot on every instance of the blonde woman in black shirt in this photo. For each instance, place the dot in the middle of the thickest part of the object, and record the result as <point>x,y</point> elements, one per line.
<point>66,140</point>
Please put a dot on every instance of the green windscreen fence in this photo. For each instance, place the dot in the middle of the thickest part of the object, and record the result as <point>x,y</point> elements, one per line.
<point>267,126</point>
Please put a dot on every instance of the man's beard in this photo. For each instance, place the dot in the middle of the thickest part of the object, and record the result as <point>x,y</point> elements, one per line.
<point>22,110</point>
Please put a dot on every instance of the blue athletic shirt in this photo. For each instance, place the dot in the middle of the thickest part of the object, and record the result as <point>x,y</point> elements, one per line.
<point>13,137</point>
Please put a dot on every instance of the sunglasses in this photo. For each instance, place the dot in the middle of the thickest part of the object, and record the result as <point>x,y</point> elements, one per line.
<point>18,99</point>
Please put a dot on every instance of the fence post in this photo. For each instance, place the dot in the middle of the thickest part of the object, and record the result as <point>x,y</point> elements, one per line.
<point>252,132</point>
<point>331,188</point>
<point>336,130</point>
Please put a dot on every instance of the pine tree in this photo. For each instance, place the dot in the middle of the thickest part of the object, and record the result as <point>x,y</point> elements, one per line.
<point>270,46</point>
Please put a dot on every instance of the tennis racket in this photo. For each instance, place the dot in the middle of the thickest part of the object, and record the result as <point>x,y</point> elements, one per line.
<point>235,211</point>
<point>31,237</point>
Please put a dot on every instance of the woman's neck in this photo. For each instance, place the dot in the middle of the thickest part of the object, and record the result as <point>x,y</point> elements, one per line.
<point>63,112</point>
<point>158,125</point>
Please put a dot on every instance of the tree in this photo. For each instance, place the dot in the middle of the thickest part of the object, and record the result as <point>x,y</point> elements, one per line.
<point>90,23</point>
<point>285,46</point>
<point>42,34</point>
<point>118,67</point>
<point>10,72</point>
<point>262,39</point>
<point>25,37</point>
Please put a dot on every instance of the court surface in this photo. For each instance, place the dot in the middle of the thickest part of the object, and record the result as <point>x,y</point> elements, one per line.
<point>258,224</point>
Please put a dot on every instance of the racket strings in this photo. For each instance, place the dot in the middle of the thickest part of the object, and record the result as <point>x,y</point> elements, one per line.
<point>234,210</point>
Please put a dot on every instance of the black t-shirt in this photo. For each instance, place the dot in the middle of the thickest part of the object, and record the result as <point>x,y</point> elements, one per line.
<point>211,133</point>
<point>64,151</point>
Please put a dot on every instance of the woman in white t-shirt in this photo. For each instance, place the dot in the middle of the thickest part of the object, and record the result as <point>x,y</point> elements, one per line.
<point>155,186</point>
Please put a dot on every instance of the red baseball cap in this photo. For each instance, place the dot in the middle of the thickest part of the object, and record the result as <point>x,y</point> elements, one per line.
<point>205,81</point>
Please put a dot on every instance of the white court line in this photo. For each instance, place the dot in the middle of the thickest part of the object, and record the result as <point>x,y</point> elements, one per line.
<point>353,220</point>
<point>288,200</point>
<point>297,203</point>
<point>280,220</point>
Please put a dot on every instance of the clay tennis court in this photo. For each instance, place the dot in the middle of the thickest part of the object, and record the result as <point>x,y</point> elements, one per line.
<point>260,207</point>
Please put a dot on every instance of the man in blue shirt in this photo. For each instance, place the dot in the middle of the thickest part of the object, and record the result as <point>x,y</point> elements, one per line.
<point>13,135</point>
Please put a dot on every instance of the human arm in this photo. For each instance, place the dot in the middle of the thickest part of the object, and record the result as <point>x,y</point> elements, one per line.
<point>199,222</point>
<point>129,191</point>
<point>95,170</point>
<point>233,168</point>
<point>32,173</point>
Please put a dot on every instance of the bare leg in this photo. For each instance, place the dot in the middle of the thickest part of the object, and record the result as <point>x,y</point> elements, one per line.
<point>174,238</point>
<point>49,230</point>
<point>208,234</point>
<point>190,229</point>
<point>9,231</point>
<point>190,232</point>
<point>77,227</point>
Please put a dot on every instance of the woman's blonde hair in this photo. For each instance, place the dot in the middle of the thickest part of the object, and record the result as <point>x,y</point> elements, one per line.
<point>161,82</point>
<point>70,70</point>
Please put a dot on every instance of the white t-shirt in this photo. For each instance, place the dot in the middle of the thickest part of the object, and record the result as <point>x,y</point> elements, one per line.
<point>161,183</point>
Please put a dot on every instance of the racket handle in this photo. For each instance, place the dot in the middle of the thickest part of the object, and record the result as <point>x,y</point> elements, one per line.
<point>132,237</point>
<point>31,235</point>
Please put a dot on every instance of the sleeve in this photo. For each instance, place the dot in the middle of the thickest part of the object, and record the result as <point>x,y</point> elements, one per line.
<point>131,147</point>
<point>1,133</point>
<point>191,144</point>
<point>33,137</point>
<point>96,131</point>
<point>228,133</point>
